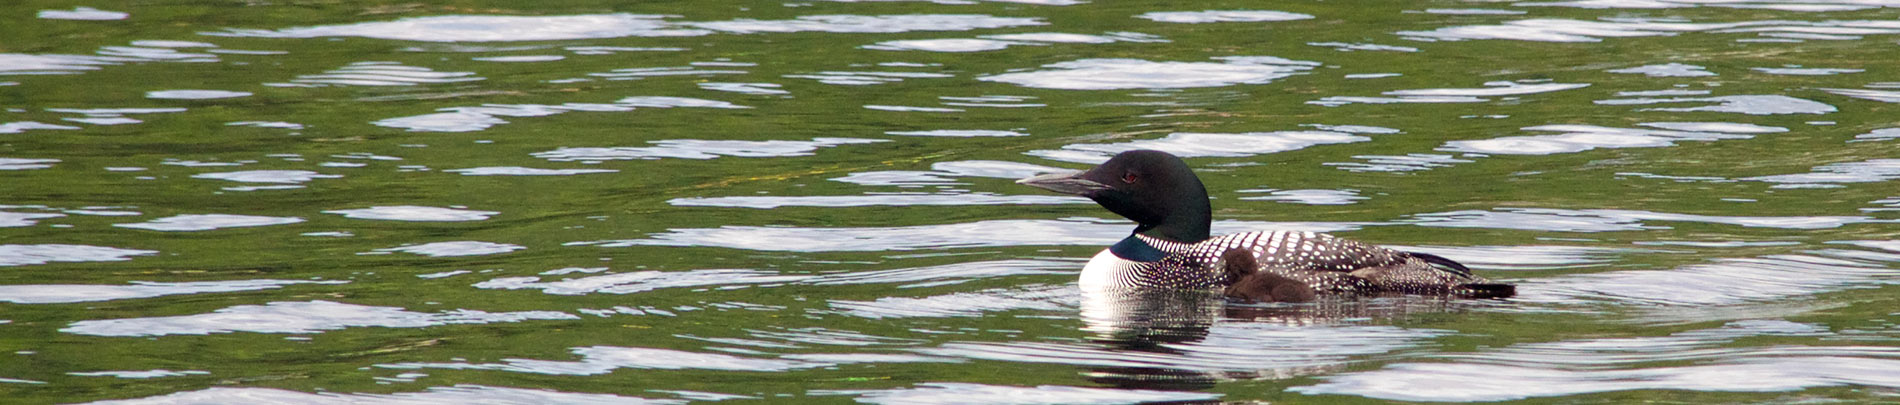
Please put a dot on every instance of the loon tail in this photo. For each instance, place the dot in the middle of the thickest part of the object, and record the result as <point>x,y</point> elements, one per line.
<point>1485,290</point>
<point>1441,262</point>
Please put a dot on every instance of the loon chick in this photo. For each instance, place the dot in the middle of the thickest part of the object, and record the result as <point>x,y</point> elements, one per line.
<point>1171,248</point>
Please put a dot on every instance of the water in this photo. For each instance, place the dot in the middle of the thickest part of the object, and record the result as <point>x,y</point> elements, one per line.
<point>667,202</point>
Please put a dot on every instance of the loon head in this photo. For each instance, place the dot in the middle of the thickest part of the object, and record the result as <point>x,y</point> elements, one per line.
<point>1155,189</point>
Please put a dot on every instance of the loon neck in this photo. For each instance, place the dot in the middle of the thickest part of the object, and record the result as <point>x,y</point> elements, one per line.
<point>1188,224</point>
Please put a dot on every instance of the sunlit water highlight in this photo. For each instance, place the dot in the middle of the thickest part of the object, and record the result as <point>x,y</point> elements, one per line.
<point>595,202</point>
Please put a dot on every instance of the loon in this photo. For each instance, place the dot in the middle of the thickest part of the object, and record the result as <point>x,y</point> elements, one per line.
<point>1171,249</point>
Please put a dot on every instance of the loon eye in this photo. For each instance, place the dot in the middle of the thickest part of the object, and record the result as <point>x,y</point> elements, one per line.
<point>1130,178</point>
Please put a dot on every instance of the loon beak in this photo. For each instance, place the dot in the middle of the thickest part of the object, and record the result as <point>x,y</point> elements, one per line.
<point>1066,183</point>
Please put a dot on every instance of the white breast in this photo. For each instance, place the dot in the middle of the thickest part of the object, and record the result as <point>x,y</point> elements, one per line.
<point>1105,272</point>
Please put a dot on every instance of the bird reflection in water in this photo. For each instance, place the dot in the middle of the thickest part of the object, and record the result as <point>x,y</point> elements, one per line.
<point>1188,340</point>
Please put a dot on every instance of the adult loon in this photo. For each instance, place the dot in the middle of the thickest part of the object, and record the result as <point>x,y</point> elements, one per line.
<point>1171,248</point>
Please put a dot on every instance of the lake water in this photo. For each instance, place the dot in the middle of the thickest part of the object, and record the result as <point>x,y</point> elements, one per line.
<point>778,202</point>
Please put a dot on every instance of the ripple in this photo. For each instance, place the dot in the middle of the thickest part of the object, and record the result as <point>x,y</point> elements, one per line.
<point>1563,30</point>
<point>1801,6</point>
<point>990,101</point>
<point>265,124</point>
<point>875,199</point>
<point>1579,138</point>
<point>296,317</point>
<point>485,28</point>
<point>1434,381</point>
<point>1472,11</point>
<point>23,126</point>
<point>1608,220</point>
<point>963,304</point>
<point>525,171</point>
<point>869,24</point>
<point>26,164</point>
<point>266,176</point>
<point>1864,94</point>
<point>206,222</point>
<point>1870,171</point>
<point>941,173</point>
<point>955,393</point>
<point>1726,281</point>
<point>745,88</point>
<point>1795,70</point>
<point>139,374</point>
<point>596,360</point>
<point>1211,16</point>
<point>1530,257</point>
<point>520,58</point>
<point>1116,74</point>
<point>1877,135</point>
<point>195,94</point>
<point>699,149</point>
<point>1745,104</point>
<point>452,249</point>
<point>19,219</point>
<point>958,133</point>
<point>943,45</point>
<point>1404,163</point>
<point>21,255</point>
<point>635,73</point>
<point>905,108</point>
<point>867,78</point>
<point>1666,70</point>
<point>379,74</point>
<point>994,233</point>
<point>642,281</point>
<point>1349,47</point>
<point>84,14</point>
<point>470,119</point>
<point>1308,197</point>
<point>460,393</point>
<point>1187,144</point>
<point>414,213</point>
<point>70,293</point>
<point>1453,95</point>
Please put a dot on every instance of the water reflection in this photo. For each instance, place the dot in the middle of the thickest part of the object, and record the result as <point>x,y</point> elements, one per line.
<point>22,255</point>
<point>1209,16</point>
<point>993,233</point>
<point>1115,74</point>
<point>296,317</point>
<point>1188,144</point>
<point>70,293</point>
<point>1607,220</point>
<point>206,222</point>
<point>1188,340</point>
<point>83,14</point>
<point>379,74</point>
<point>461,393</point>
<point>1599,365</point>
